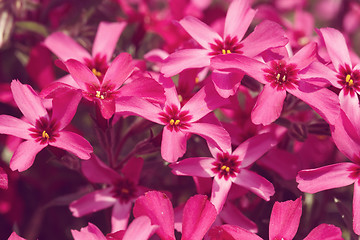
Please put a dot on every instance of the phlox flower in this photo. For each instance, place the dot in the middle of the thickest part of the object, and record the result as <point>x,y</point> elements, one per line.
<point>238,19</point>
<point>280,76</point>
<point>140,229</point>
<point>284,223</point>
<point>14,236</point>
<point>122,189</point>
<point>198,215</point>
<point>229,167</point>
<point>180,121</point>
<point>40,128</point>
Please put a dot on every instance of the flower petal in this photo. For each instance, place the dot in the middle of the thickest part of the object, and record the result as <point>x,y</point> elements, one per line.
<point>106,38</point>
<point>199,167</point>
<point>350,105</point>
<point>91,232</point>
<point>25,154</point>
<point>28,101</point>
<point>16,127</point>
<point>226,232</point>
<point>226,84</point>
<point>81,74</point>
<point>140,229</point>
<point>65,47</point>
<point>120,216</point>
<point>132,169</point>
<point>119,70</point>
<point>98,172</point>
<point>327,177</point>
<point>305,56</point>
<point>255,183</point>
<point>232,215</point>
<point>325,232</point>
<point>173,145</point>
<point>73,143</point>
<point>285,219</point>
<point>219,192</point>
<point>3,179</point>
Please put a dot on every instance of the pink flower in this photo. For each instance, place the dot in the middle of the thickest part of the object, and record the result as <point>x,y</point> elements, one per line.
<point>281,76</point>
<point>198,215</point>
<point>180,121</point>
<point>14,236</point>
<point>229,167</point>
<point>41,129</point>
<point>3,179</point>
<point>284,223</point>
<point>122,190</point>
<point>139,229</point>
<point>238,19</point>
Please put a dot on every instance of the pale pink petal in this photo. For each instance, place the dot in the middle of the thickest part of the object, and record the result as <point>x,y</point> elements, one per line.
<point>253,148</point>
<point>325,232</point>
<point>327,177</point>
<point>14,236</point>
<point>219,192</point>
<point>92,202</point>
<point>285,219</point>
<point>28,101</point>
<point>81,74</point>
<point>64,107</point>
<point>350,105</point>
<point>65,47</point>
<point>201,32</point>
<point>120,216</point>
<point>119,70</point>
<point>140,229</point>
<point>97,171</point>
<point>215,134</point>
<point>173,145</point>
<point>158,208</point>
<point>356,207</point>
<point>25,154</point>
<point>132,169</point>
<point>255,183</point>
<point>268,106</point>
<point>318,70</point>
<point>305,56</point>
<point>16,127</point>
<point>184,59</point>
<point>139,107</point>
<point>236,62</point>
<point>231,214</point>
<point>336,47</point>
<point>226,84</point>
<point>322,100</point>
<point>73,143</point>
<point>106,38</point>
<point>198,215</point>
<point>203,102</point>
<point>238,19</point>
<point>91,232</point>
<point>227,232</point>
<point>262,39</point>
<point>199,167</point>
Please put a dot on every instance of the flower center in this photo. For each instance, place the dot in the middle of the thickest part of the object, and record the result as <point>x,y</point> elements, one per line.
<point>230,45</point>
<point>174,119</point>
<point>226,165</point>
<point>124,190</point>
<point>349,79</point>
<point>281,75</point>
<point>44,131</point>
<point>97,65</point>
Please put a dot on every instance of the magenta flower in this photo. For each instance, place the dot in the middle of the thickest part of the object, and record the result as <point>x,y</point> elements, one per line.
<point>14,236</point>
<point>284,223</point>
<point>41,129</point>
<point>180,121</point>
<point>238,19</point>
<point>140,229</point>
<point>229,167</point>
<point>122,190</point>
<point>104,45</point>
<point>198,215</point>
<point>282,76</point>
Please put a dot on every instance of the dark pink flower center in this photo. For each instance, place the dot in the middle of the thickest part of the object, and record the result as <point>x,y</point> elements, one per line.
<point>355,172</point>
<point>45,131</point>
<point>174,119</point>
<point>124,190</point>
<point>97,65</point>
<point>349,79</point>
<point>226,165</point>
<point>281,75</point>
<point>230,45</point>
<point>99,92</point>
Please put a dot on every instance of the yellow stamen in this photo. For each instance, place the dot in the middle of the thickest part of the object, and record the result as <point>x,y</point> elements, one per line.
<point>180,98</point>
<point>348,78</point>
<point>278,76</point>
<point>223,51</point>
<point>197,80</point>
<point>223,167</point>
<point>228,51</point>
<point>227,169</point>
<point>172,122</point>
<point>284,78</point>
<point>99,95</point>
<point>45,135</point>
<point>351,83</point>
<point>177,122</point>
<point>96,72</point>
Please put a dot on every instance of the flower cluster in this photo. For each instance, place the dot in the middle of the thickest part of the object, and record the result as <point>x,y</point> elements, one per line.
<point>179,119</point>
